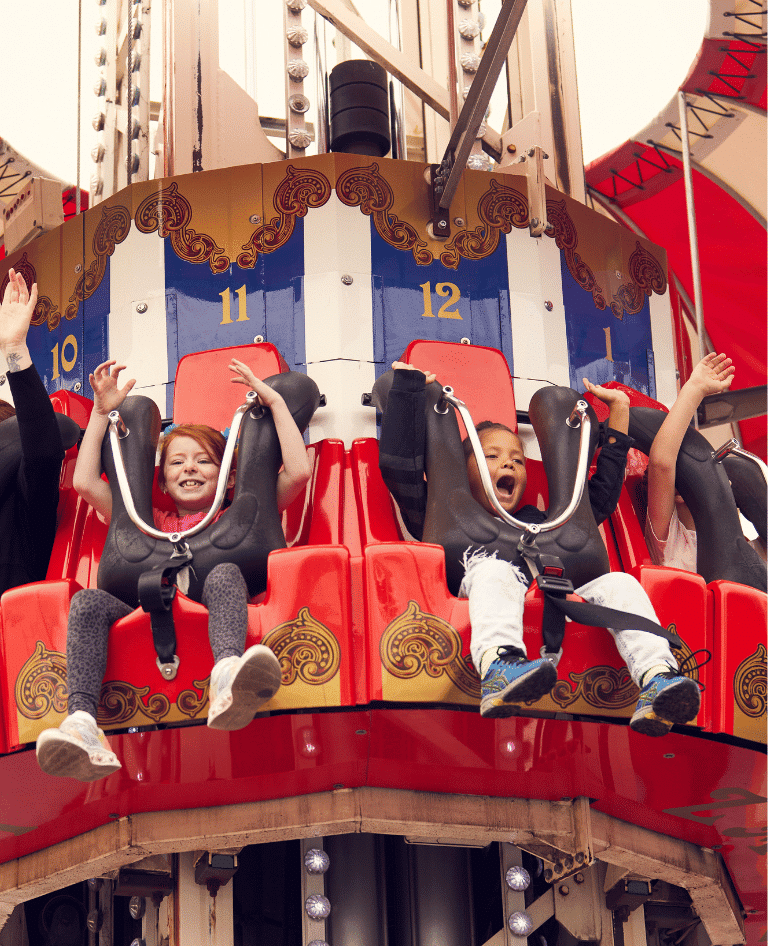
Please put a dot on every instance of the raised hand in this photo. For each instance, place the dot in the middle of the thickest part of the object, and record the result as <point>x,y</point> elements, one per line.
<point>429,375</point>
<point>712,375</point>
<point>107,396</point>
<point>243,375</point>
<point>16,313</point>
<point>608,396</point>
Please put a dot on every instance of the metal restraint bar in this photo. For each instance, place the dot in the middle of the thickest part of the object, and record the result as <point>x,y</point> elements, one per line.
<point>732,447</point>
<point>118,431</point>
<point>578,418</point>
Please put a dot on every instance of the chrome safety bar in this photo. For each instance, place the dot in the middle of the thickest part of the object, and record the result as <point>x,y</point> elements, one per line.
<point>578,417</point>
<point>732,447</point>
<point>118,431</point>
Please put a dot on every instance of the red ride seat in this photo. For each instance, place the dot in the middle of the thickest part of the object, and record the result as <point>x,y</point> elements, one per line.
<point>305,614</point>
<point>418,633</point>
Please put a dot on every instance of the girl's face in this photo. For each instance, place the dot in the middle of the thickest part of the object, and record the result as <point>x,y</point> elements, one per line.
<point>190,476</point>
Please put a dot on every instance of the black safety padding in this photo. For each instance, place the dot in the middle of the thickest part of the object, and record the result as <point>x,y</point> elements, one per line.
<point>247,531</point>
<point>359,108</point>
<point>10,445</point>
<point>723,552</point>
<point>457,522</point>
<point>749,490</point>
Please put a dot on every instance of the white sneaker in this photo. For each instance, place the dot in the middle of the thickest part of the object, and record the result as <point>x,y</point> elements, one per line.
<point>77,749</point>
<point>240,685</point>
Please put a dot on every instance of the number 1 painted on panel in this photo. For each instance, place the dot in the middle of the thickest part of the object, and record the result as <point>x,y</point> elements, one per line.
<point>241,313</point>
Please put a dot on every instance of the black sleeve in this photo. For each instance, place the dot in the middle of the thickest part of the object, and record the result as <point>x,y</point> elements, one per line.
<point>402,447</point>
<point>606,482</point>
<point>42,452</point>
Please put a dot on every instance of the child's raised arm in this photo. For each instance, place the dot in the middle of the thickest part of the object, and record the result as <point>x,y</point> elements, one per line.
<point>712,375</point>
<point>107,397</point>
<point>296,469</point>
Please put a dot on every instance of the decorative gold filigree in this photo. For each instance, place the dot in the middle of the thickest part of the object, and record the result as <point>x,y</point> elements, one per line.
<point>306,649</point>
<point>300,189</point>
<point>566,239</point>
<point>112,229</point>
<point>646,275</point>
<point>190,702</point>
<point>500,208</point>
<point>169,212</point>
<point>417,642</point>
<point>46,309</point>
<point>41,686</point>
<point>601,687</point>
<point>121,701</point>
<point>749,684</point>
<point>365,188</point>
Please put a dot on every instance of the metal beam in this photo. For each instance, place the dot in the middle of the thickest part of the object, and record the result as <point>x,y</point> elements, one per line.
<point>473,112</point>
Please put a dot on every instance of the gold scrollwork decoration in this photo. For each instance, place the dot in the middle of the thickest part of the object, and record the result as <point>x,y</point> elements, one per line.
<point>500,208</point>
<point>41,686</point>
<point>749,684</point>
<point>566,239</point>
<point>169,212</point>
<point>121,701</point>
<point>601,687</point>
<point>365,188</point>
<point>300,190</point>
<point>307,650</point>
<point>113,228</point>
<point>418,642</point>
<point>190,702</point>
<point>646,277</point>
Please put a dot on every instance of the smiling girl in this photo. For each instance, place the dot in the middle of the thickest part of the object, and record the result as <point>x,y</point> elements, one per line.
<point>190,460</point>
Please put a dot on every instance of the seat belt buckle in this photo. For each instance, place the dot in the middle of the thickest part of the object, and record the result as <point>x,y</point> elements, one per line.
<point>554,584</point>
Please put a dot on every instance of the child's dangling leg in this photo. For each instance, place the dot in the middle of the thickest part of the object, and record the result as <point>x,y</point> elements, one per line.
<point>240,682</point>
<point>78,748</point>
<point>666,696</point>
<point>496,592</point>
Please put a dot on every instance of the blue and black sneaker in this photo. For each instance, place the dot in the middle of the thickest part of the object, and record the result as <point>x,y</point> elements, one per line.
<point>667,699</point>
<point>512,679</point>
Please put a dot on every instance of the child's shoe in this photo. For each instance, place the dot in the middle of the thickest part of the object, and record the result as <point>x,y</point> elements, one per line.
<point>512,679</point>
<point>240,685</point>
<point>77,749</point>
<point>666,699</point>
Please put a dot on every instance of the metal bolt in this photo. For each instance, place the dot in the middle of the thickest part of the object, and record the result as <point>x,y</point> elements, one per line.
<point>563,890</point>
<point>78,385</point>
<point>137,907</point>
<point>531,152</point>
<point>568,863</point>
<point>2,380</point>
<point>258,339</point>
<point>459,221</point>
<point>579,878</point>
<point>337,787</point>
<point>580,857</point>
<point>347,280</point>
<point>79,267</point>
<point>618,274</point>
<point>361,732</point>
<point>534,221</point>
<point>548,306</point>
<point>442,224</point>
<point>511,148</point>
<point>669,755</point>
<point>254,219</point>
<point>548,875</point>
<point>465,341</point>
<point>141,307</point>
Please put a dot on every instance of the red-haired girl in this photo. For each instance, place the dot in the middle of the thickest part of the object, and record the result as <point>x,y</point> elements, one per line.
<point>190,460</point>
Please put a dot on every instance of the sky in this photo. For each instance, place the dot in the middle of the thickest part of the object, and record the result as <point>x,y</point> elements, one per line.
<point>631,58</point>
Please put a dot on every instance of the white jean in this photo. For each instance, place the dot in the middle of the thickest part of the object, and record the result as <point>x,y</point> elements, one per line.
<point>496,593</point>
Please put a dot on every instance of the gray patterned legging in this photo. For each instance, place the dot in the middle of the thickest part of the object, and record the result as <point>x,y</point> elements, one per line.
<point>93,612</point>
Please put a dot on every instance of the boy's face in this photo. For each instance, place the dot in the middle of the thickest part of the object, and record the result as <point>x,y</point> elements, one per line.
<point>506,463</point>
